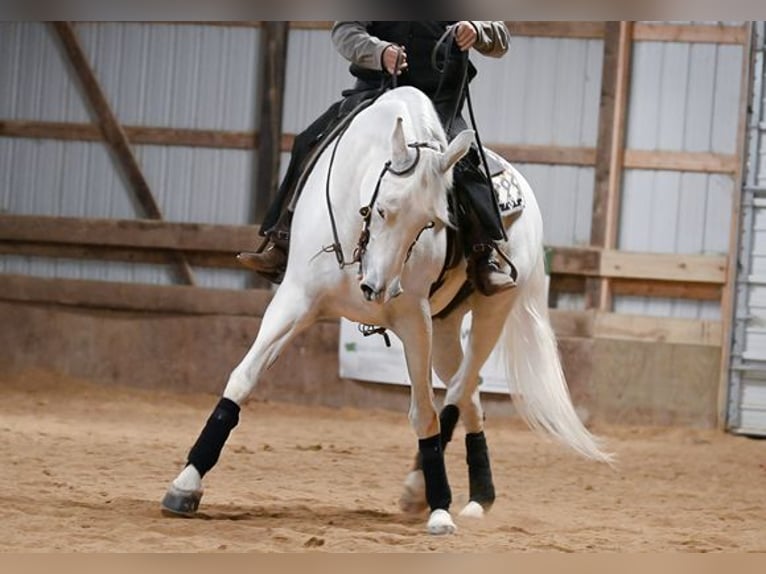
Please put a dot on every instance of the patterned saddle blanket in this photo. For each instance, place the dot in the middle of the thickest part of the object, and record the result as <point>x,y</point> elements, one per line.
<point>510,198</point>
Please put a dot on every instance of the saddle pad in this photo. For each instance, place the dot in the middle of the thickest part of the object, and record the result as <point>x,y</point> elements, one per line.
<point>507,189</point>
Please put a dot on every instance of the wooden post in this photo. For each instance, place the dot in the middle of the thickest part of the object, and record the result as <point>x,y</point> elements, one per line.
<point>114,134</point>
<point>270,107</point>
<point>610,151</point>
<point>730,286</point>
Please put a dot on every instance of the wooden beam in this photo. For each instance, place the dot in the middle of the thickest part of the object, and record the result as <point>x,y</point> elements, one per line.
<point>697,33</point>
<point>134,296</point>
<point>543,154</point>
<point>179,299</point>
<point>595,324</point>
<point>666,289</point>
<point>585,30</point>
<point>212,260</point>
<point>272,81</point>
<point>145,135</point>
<point>311,24</point>
<point>209,238</point>
<point>557,29</point>
<point>665,267</point>
<point>681,161</point>
<point>113,132</point>
<point>518,153</point>
<point>574,284</point>
<point>575,261</point>
<point>133,233</point>
<point>610,144</point>
<point>657,329</point>
<point>683,269</point>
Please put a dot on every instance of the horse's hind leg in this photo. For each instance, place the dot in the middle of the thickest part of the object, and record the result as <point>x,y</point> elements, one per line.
<point>460,372</point>
<point>287,315</point>
<point>488,319</point>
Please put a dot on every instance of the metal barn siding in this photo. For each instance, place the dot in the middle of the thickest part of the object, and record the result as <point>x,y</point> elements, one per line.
<point>550,90</point>
<point>747,393</point>
<point>316,76</point>
<point>178,76</point>
<point>684,97</point>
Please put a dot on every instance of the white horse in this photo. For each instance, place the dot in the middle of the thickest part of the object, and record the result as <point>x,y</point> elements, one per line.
<point>401,255</point>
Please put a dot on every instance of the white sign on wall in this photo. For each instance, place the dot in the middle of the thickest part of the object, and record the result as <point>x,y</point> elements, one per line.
<point>368,359</point>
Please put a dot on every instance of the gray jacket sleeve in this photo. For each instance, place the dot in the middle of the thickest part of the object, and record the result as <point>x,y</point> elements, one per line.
<point>492,38</point>
<point>357,45</point>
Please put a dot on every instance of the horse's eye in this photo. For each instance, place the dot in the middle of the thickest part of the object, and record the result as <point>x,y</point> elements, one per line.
<point>381,213</point>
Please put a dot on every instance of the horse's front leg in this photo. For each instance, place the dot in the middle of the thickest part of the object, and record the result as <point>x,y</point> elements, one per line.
<point>287,315</point>
<point>414,329</point>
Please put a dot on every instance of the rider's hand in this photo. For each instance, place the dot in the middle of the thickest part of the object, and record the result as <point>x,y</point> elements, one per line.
<point>465,35</point>
<point>389,58</point>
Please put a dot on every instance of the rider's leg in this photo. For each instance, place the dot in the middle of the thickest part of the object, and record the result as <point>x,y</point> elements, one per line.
<point>272,260</point>
<point>482,226</point>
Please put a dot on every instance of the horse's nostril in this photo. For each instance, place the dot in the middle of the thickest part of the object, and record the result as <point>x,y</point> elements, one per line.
<point>367,291</point>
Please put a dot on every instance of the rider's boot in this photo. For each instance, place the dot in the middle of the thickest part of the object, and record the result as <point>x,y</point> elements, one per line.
<point>485,272</point>
<point>270,261</point>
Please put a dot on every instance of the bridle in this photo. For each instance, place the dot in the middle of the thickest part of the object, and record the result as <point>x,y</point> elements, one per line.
<point>367,210</point>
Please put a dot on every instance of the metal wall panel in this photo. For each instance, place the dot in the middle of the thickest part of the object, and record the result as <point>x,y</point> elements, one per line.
<point>544,91</point>
<point>684,97</point>
<point>548,88</point>
<point>316,76</point>
<point>34,81</point>
<point>188,76</point>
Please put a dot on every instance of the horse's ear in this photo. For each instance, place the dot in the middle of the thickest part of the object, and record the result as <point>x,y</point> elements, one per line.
<point>398,144</point>
<point>457,148</point>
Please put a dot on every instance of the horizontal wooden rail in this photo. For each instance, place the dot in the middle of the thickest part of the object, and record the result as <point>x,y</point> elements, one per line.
<point>175,299</point>
<point>696,33</point>
<point>584,30</point>
<point>517,153</point>
<point>145,135</point>
<point>214,245</point>
<point>668,267</point>
<point>603,325</point>
<point>134,296</point>
<point>705,162</point>
<point>132,233</point>
<point>546,154</point>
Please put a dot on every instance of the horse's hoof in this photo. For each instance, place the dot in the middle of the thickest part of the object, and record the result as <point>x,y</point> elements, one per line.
<point>413,499</point>
<point>178,502</point>
<point>473,510</point>
<point>440,523</point>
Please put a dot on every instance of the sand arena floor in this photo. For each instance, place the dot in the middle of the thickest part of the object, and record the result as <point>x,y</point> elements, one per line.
<point>84,468</point>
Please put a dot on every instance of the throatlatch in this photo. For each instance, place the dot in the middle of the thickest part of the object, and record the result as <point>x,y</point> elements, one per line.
<point>205,452</point>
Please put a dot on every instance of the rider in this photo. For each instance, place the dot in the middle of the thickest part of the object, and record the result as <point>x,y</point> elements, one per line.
<point>376,51</point>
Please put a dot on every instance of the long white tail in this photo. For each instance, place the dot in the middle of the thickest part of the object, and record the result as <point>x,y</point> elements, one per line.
<point>532,362</point>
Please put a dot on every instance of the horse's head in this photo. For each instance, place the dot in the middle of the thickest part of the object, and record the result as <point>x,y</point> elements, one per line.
<point>411,196</point>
